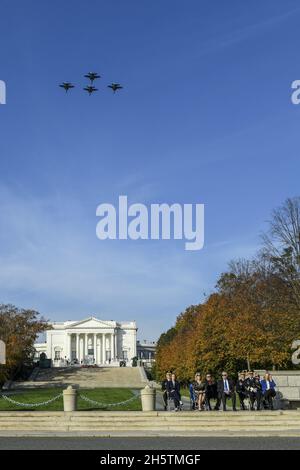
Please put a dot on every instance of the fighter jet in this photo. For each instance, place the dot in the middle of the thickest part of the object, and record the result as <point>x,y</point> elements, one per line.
<point>66,86</point>
<point>115,87</point>
<point>90,89</point>
<point>92,76</point>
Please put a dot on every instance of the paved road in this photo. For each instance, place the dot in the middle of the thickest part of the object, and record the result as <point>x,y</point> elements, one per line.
<point>152,443</point>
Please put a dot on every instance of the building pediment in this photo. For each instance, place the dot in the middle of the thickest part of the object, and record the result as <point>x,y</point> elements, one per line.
<point>91,322</point>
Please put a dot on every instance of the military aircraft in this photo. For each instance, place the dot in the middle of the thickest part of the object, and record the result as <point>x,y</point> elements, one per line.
<point>92,76</point>
<point>115,87</point>
<point>66,86</point>
<point>90,89</point>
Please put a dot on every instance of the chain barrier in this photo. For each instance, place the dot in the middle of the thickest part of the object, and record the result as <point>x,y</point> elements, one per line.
<point>83,397</point>
<point>31,405</point>
<point>108,405</point>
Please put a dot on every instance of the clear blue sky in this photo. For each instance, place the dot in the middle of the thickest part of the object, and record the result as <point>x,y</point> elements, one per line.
<point>205,116</point>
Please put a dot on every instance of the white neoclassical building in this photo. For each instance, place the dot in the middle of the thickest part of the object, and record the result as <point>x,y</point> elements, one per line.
<point>89,341</point>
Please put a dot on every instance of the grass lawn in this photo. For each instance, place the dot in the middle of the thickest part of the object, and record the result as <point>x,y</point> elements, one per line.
<point>103,395</point>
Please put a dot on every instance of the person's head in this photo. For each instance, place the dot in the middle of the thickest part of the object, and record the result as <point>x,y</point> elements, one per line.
<point>168,375</point>
<point>257,376</point>
<point>208,377</point>
<point>198,377</point>
<point>224,375</point>
<point>251,374</point>
<point>268,376</point>
<point>242,376</point>
<point>173,376</point>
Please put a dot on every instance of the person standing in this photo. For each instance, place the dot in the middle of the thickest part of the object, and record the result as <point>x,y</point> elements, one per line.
<point>226,389</point>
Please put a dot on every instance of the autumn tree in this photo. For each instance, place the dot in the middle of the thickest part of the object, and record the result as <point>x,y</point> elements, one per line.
<point>19,329</point>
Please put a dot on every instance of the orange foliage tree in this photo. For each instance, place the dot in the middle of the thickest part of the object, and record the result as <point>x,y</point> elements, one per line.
<point>19,329</point>
<point>250,321</point>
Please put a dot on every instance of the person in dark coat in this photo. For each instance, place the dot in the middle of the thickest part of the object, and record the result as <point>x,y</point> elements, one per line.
<point>211,392</point>
<point>254,390</point>
<point>241,389</point>
<point>164,389</point>
<point>173,390</point>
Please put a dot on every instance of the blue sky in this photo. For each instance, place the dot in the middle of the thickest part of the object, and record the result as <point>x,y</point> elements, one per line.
<point>205,116</point>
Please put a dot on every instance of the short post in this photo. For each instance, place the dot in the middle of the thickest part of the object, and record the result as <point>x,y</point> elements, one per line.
<point>148,395</point>
<point>2,352</point>
<point>70,399</point>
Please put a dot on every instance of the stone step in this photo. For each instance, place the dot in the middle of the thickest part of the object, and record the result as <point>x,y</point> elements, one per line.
<point>147,421</point>
<point>93,422</point>
<point>175,418</point>
<point>184,429</point>
<point>122,414</point>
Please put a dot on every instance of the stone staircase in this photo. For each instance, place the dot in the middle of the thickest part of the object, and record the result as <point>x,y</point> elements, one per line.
<point>156,423</point>
<point>102,377</point>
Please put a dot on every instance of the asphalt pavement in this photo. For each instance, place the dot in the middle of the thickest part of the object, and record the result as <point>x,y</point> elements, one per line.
<point>149,443</point>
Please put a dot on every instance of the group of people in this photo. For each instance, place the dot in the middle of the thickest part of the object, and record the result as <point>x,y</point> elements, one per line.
<point>203,389</point>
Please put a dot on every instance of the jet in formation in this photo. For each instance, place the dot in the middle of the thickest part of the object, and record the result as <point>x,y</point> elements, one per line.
<point>90,88</point>
<point>66,86</point>
<point>115,87</point>
<point>92,76</point>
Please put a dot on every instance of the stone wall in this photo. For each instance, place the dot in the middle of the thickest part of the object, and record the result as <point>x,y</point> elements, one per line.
<point>287,387</point>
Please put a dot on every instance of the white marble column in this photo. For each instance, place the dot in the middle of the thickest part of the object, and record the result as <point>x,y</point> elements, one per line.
<point>86,344</point>
<point>98,349</point>
<point>95,348</point>
<point>112,346</point>
<point>69,352</point>
<point>67,346</point>
<point>116,344</point>
<point>78,347</point>
<point>103,349</point>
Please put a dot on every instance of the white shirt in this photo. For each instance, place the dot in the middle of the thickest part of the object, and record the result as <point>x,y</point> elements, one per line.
<point>268,384</point>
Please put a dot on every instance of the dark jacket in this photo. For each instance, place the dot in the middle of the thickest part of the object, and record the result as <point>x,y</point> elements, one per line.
<point>173,387</point>
<point>211,389</point>
<point>253,385</point>
<point>241,386</point>
<point>198,387</point>
<point>221,386</point>
<point>164,385</point>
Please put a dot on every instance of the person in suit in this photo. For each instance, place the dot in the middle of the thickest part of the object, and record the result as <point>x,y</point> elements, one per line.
<point>211,392</point>
<point>226,389</point>
<point>173,390</point>
<point>268,390</point>
<point>241,389</point>
<point>164,389</point>
<point>253,388</point>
